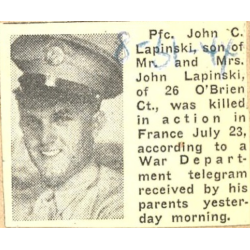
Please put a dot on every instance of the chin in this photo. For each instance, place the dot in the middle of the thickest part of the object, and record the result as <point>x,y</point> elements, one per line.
<point>58,170</point>
<point>54,175</point>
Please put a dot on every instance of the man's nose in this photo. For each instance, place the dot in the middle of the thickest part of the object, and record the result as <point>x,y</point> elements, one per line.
<point>47,133</point>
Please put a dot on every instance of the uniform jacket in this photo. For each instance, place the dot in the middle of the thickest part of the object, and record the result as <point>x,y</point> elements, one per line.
<point>94,193</point>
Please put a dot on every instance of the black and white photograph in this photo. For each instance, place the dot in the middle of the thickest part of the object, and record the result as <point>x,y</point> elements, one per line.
<point>67,127</point>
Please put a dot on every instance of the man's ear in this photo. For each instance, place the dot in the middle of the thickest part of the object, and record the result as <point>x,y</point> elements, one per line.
<point>99,121</point>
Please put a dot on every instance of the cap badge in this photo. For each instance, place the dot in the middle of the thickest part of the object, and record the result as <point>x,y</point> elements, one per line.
<point>50,81</point>
<point>54,56</point>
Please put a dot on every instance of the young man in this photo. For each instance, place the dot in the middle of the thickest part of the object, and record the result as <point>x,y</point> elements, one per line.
<point>63,84</point>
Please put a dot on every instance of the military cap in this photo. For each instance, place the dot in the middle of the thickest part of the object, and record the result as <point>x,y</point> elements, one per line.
<point>68,63</point>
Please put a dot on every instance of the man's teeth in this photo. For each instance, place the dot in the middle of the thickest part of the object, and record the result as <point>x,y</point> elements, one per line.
<point>51,152</point>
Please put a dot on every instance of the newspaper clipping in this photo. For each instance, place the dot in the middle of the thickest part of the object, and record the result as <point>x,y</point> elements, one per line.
<point>130,124</point>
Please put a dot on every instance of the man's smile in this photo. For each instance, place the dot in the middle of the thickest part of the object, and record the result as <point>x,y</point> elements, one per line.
<point>51,153</point>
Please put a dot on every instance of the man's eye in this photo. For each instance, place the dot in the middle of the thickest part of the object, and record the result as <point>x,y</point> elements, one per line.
<point>62,118</point>
<point>30,122</point>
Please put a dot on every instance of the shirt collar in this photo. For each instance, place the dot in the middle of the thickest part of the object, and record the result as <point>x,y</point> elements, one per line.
<point>78,184</point>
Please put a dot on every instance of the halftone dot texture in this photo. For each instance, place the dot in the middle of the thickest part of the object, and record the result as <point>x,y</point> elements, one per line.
<point>70,63</point>
<point>80,62</point>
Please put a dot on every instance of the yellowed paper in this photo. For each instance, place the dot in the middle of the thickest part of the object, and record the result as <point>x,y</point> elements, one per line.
<point>139,124</point>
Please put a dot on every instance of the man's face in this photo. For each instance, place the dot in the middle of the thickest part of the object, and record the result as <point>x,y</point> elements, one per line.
<point>59,138</point>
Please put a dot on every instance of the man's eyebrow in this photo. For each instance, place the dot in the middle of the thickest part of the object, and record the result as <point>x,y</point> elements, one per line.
<point>27,115</point>
<point>63,111</point>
